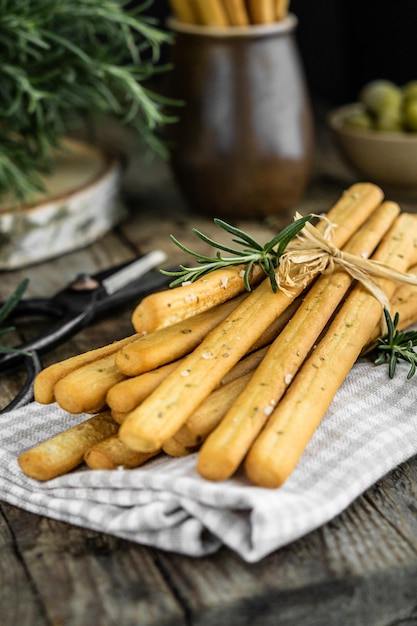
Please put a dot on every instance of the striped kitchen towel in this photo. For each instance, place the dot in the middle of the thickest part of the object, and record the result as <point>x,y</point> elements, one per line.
<point>370,427</point>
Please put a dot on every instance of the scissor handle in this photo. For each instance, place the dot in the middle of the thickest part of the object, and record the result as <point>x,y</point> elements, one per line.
<point>25,396</point>
<point>48,340</point>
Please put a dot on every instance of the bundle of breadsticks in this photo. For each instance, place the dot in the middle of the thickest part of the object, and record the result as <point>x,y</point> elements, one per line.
<point>229,12</point>
<point>242,378</point>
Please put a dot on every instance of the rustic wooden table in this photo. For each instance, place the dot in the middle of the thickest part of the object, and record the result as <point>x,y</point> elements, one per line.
<point>358,570</point>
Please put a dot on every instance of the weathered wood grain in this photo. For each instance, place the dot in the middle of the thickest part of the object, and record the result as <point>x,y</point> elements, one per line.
<point>19,603</point>
<point>82,577</point>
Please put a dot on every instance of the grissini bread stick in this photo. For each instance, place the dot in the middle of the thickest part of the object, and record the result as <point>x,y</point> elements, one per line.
<point>403,302</point>
<point>48,377</point>
<point>226,447</point>
<point>236,12</point>
<point>64,452</point>
<point>184,11</point>
<point>243,367</point>
<point>112,453</point>
<point>125,396</point>
<point>278,448</point>
<point>178,396</point>
<point>281,8</point>
<point>174,448</point>
<point>169,344</point>
<point>210,412</point>
<point>211,13</point>
<point>170,306</point>
<point>85,388</point>
<point>262,11</point>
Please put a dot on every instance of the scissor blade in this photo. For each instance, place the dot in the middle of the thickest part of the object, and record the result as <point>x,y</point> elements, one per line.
<point>112,284</point>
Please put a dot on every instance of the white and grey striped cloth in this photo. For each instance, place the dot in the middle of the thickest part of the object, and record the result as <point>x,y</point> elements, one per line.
<point>370,428</point>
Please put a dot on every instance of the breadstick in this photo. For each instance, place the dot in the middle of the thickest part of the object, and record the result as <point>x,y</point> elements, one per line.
<point>170,306</point>
<point>64,452</point>
<point>211,13</point>
<point>133,391</point>
<point>281,8</point>
<point>184,11</point>
<point>262,11</point>
<point>278,448</point>
<point>47,378</point>
<point>85,389</point>
<point>210,412</point>
<point>403,302</point>
<point>226,447</point>
<point>172,447</point>
<point>177,397</point>
<point>111,453</point>
<point>236,12</point>
<point>168,344</point>
<point>125,396</point>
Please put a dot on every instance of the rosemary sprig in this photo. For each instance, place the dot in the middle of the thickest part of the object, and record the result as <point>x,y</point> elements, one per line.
<point>7,308</point>
<point>68,64</point>
<point>266,256</point>
<point>397,346</point>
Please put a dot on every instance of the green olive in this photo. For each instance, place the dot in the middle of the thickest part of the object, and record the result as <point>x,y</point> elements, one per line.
<point>410,90</point>
<point>410,114</point>
<point>359,119</point>
<point>389,121</point>
<point>378,95</point>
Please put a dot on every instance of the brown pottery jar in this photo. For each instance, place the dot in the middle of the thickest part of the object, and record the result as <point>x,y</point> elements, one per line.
<point>244,140</point>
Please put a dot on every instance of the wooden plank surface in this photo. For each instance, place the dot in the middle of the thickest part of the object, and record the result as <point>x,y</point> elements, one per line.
<point>358,570</point>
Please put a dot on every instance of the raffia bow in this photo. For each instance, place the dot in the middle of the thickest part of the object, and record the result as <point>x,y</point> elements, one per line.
<point>313,252</point>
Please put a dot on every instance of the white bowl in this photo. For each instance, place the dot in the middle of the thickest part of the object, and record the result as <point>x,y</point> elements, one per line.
<point>385,158</point>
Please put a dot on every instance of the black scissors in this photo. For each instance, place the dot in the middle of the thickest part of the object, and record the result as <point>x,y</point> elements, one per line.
<point>74,307</point>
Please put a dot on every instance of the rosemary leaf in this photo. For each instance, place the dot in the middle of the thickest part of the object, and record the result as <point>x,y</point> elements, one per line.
<point>396,346</point>
<point>266,256</point>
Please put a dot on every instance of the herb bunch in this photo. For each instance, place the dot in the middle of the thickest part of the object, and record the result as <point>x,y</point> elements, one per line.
<point>266,256</point>
<point>396,346</point>
<point>67,60</point>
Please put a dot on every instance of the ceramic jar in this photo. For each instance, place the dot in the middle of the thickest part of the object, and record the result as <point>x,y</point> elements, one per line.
<point>244,140</point>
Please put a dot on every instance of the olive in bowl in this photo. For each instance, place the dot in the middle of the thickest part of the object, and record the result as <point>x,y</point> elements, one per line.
<point>377,135</point>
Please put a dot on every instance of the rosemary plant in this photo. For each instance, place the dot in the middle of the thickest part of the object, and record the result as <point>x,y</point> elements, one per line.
<point>67,60</point>
<point>267,255</point>
<point>397,346</point>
